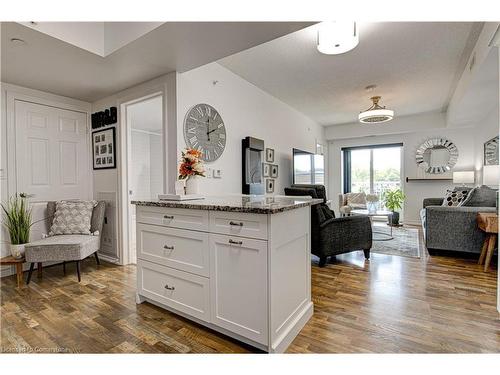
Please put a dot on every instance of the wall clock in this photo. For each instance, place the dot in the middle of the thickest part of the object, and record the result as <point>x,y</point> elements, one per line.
<point>204,130</point>
<point>491,152</point>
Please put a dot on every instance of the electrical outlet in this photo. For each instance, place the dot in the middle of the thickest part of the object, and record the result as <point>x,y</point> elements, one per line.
<point>209,172</point>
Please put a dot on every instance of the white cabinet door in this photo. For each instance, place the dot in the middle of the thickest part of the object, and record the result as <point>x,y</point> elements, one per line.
<point>238,285</point>
<point>52,154</point>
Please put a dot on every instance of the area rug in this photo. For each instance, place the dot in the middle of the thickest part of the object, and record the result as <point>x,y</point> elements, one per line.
<point>405,242</point>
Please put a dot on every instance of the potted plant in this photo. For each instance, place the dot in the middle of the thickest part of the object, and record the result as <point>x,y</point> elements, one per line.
<point>393,200</point>
<point>190,168</point>
<point>18,221</point>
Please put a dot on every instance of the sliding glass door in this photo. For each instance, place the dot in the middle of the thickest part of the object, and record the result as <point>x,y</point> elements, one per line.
<point>372,169</point>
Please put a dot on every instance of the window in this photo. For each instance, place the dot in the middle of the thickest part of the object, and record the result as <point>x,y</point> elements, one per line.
<point>372,169</point>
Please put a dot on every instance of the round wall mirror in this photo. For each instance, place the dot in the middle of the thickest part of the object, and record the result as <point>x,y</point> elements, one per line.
<point>437,155</point>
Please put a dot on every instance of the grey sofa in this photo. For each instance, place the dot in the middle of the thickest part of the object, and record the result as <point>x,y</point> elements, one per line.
<point>454,228</point>
<point>66,248</point>
<point>331,236</point>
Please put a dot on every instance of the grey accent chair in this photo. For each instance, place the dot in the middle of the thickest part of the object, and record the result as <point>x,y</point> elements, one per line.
<point>332,236</point>
<point>69,247</point>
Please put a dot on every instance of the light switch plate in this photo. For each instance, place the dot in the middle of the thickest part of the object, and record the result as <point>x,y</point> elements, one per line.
<point>217,173</point>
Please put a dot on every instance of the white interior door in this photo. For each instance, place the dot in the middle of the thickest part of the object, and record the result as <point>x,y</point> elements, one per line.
<point>52,156</point>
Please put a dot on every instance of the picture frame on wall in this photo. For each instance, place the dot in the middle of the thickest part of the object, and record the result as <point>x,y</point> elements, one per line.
<point>491,152</point>
<point>274,170</point>
<point>270,185</point>
<point>103,145</point>
<point>269,155</point>
<point>266,170</point>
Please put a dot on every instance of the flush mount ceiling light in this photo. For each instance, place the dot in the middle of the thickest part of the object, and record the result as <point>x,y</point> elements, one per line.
<point>337,37</point>
<point>376,113</point>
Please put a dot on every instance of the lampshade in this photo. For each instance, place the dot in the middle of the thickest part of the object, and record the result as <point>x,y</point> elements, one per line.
<point>376,113</point>
<point>464,177</point>
<point>491,175</point>
<point>337,37</point>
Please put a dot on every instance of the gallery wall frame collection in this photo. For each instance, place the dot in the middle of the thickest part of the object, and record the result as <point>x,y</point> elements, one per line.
<point>270,170</point>
<point>104,149</point>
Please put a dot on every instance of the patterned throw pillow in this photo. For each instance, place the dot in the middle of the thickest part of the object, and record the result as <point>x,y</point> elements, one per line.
<point>72,217</point>
<point>356,200</point>
<point>455,198</point>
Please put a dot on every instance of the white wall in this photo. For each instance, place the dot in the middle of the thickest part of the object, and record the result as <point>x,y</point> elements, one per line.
<point>415,191</point>
<point>246,111</point>
<point>145,174</point>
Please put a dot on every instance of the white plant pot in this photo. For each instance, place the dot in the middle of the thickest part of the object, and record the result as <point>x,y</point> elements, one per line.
<point>17,251</point>
<point>192,185</point>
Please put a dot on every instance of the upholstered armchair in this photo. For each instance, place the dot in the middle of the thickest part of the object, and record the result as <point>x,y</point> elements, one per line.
<point>351,201</point>
<point>331,236</point>
<point>69,247</point>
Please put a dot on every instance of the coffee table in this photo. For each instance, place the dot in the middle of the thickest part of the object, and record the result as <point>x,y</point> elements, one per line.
<point>371,214</point>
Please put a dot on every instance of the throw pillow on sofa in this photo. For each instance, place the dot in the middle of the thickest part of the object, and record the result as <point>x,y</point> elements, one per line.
<point>482,196</point>
<point>72,217</point>
<point>455,198</point>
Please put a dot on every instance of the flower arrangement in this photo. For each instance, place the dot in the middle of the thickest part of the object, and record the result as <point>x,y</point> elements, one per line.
<point>371,198</point>
<point>191,164</point>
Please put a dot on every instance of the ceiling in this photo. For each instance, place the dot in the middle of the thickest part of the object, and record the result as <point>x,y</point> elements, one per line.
<point>481,97</point>
<point>146,115</point>
<point>49,64</point>
<point>415,65</point>
<point>101,38</point>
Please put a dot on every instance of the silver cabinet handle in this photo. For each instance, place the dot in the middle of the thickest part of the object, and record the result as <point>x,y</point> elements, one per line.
<point>232,242</point>
<point>166,247</point>
<point>239,224</point>
<point>168,216</point>
<point>169,287</point>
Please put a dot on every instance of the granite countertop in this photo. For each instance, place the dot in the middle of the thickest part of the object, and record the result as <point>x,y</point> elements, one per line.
<point>257,204</point>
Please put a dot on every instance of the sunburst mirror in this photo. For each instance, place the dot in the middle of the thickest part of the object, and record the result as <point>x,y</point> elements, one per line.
<point>437,155</point>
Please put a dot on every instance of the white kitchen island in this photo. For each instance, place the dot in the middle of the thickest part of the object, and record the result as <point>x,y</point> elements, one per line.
<point>240,265</point>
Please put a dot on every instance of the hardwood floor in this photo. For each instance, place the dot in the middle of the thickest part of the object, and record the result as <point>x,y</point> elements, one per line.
<point>389,304</point>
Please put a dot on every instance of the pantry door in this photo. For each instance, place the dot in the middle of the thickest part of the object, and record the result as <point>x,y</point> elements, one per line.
<point>52,156</point>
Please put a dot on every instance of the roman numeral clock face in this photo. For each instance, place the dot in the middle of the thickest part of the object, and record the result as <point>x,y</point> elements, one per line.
<point>205,131</point>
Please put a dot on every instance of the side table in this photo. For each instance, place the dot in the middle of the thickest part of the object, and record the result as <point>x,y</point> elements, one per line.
<point>9,261</point>
<point>488,223</point>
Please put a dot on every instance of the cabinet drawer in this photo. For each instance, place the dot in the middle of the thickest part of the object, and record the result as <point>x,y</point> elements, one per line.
<point>238,224</point>
<point>177,289</point>
<point>173,217</point>
<point>181,249</point>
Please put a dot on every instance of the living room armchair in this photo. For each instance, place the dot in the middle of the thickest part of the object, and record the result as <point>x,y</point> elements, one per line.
<point>332,236</point>
<point>351,201</point>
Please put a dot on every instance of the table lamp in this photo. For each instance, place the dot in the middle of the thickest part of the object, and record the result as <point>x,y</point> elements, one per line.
<point>463,177</point>
<point>491,175</point>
